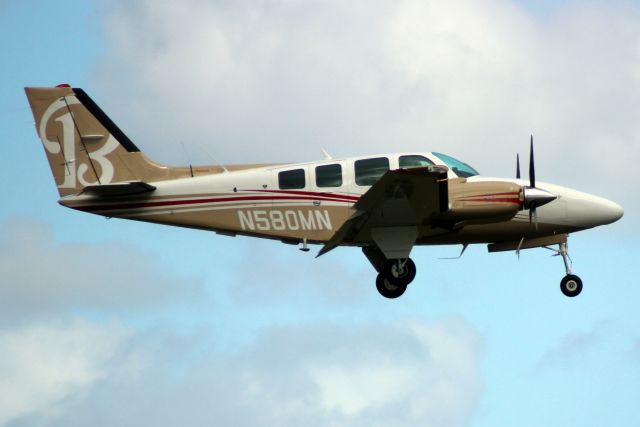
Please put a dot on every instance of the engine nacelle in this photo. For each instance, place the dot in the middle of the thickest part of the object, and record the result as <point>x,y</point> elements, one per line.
<point>484,200</point>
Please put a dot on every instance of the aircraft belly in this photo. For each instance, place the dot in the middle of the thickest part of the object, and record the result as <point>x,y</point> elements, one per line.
<point>514,229</point>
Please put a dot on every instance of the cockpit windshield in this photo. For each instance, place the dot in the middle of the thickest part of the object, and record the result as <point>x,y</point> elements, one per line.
<point>461,169</point>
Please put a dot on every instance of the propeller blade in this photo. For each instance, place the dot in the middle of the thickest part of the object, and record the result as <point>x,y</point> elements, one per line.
<point>532,168</point>
<point>533,197</point>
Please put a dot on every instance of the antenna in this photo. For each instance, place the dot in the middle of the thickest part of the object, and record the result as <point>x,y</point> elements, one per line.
<point>214,160</point>
<point>186,152</point>
<point>326,155</point>
<point>464,248</point>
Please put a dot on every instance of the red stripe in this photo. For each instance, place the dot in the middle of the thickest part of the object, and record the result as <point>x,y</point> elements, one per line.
<point>193,201</point>
<point>490,199</point>
<point>310,193</point>
<point>512,193</point>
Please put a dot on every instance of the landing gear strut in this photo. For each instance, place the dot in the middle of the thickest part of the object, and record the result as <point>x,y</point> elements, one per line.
<point>570,285</point>
<point>394,277</point>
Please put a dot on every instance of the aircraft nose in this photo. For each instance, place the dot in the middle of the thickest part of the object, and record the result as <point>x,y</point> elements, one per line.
<point>591,211</point>
<point>608,211</point>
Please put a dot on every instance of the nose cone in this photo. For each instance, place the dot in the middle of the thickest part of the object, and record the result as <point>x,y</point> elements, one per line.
<point>590,211</point>
<point>608,211</point>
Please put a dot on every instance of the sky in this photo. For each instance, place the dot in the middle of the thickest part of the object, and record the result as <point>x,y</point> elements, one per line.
<point>109,322</point>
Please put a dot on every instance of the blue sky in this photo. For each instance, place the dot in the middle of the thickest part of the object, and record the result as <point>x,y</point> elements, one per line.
<point>168,325</point>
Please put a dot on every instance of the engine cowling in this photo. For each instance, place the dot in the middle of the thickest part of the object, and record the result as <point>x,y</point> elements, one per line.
<point>484,200</point>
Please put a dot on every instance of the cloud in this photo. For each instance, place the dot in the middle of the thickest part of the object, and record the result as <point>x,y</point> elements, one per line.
<point>409,373</point>
<point>573,348</point>
<point>41,276</point>
<point>277,80</point>
<point>43,364</point>
<point>287,274</point>
<point>63,370</point>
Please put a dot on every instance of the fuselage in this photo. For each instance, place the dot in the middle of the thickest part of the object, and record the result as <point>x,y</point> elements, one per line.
<point>310,201</point>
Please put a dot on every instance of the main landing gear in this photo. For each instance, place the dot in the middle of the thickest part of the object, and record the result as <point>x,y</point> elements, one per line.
<point>394,277</point>
<point>570,285</point>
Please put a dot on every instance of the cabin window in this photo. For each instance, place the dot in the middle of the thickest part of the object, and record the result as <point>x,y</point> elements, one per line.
<point>368,171</point>
<point>329,176</point>
<point>414,161</point>
<point>290,180</point>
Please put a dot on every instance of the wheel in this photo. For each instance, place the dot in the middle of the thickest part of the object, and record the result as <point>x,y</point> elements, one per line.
<point>388,290</point>
<point>399,272</point>
<point>571,285</point>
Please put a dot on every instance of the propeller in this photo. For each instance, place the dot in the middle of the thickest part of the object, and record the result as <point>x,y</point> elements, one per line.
<point>533,197</point>
<point>532,166</point>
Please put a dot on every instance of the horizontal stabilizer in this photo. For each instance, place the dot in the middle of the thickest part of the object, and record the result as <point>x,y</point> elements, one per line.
<point>118,189</point>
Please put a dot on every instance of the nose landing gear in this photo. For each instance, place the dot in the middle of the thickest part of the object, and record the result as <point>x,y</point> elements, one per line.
<point>570,285</point>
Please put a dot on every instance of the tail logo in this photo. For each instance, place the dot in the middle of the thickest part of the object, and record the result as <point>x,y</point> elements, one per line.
<point>75,171</point>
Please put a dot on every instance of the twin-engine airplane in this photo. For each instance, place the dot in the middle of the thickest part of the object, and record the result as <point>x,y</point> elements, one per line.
<point>385,204</point>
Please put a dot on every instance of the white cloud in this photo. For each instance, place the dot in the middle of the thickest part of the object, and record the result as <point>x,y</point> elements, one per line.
<point>43,364</point>
<point>74,372</point>
<point>277,80</point>
<point>573,348</point>
<point>287,274</point>
<point>353,390</point>
<point>440,375</point>
<point>40,276</point>
<point>373,375</point>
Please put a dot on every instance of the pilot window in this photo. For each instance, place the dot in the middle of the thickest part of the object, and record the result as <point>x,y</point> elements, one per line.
<point>414,161</point>
<point>329,176</point>
<point>463,170</point>
<point>368,171</point>
<point>290,180</point>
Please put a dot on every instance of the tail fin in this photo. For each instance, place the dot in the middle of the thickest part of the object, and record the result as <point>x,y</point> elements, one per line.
<point>84,147</point>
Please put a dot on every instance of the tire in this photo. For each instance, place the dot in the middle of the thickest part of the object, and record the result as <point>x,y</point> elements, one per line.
<point>399,278</point>
<point>387,289</point>
<point>571,285</point>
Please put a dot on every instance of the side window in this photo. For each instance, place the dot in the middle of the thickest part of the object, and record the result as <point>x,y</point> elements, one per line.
<point>414,161</point>
<point>290,180</point>
<point>368,171</point>
<point>329,176</point>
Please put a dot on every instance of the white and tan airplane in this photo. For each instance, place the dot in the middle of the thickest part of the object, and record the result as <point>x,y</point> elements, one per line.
<point>385,204</point>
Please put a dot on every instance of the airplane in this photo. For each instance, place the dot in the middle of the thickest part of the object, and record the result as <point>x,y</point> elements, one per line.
<point>385,203</point>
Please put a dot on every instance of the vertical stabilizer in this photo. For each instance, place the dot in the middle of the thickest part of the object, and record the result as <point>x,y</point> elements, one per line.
<point>83,146</point>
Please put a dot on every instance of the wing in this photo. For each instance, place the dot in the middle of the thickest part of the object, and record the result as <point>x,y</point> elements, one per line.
<point>393,209</point>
